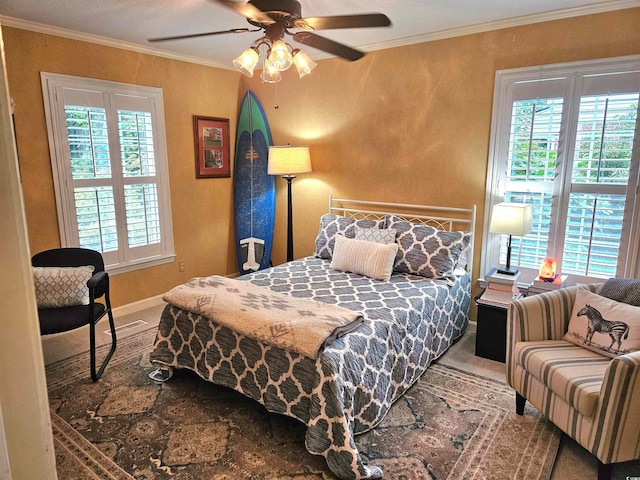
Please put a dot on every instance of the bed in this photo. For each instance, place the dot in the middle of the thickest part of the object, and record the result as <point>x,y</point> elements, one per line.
<point>346,388</point>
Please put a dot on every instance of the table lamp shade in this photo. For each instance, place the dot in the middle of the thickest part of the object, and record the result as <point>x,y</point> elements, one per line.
<point>288,160</point>
<point>511,219</point>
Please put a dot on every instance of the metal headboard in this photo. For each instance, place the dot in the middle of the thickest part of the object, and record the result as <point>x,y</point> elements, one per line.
<point>442,218</point>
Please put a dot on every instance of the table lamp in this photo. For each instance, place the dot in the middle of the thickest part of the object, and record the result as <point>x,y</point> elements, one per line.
<point>511,219</point>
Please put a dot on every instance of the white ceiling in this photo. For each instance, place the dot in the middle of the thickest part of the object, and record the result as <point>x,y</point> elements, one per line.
<point>129,23</point>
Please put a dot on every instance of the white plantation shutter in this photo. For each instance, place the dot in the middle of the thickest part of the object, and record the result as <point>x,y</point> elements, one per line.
<point>109,156</point>
<point>600,175</point>
<point>531,169</point>
<point>566,140</point>
<point>96,218</point>
<point>138,167</point>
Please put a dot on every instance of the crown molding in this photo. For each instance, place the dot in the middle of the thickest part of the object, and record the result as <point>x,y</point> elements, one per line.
<point>601,7</point>
<point>595,8</point>
<point>109,42</point>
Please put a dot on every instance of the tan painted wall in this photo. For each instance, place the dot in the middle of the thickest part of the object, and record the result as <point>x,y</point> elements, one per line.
<point>201,208</point>
<point>409,124</point>
<point>412,124</point>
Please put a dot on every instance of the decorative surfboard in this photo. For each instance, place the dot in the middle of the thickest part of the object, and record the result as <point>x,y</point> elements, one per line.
<point>254,197</point>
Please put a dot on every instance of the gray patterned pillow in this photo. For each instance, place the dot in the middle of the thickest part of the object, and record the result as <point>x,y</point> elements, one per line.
<point>427,251</point>
<point>625,290</point>
<point>376,235</point>
<point>331,225</point>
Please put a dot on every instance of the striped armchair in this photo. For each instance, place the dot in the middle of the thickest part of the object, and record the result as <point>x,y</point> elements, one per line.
<point>593,399</point>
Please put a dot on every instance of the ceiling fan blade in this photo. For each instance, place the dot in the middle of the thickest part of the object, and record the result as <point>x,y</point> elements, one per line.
<point>347,21</point>
<point>322,43</point>
<point>247,10</point>
<point>205,34</point>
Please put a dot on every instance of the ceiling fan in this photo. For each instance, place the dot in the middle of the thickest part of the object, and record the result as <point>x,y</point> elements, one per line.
<point>279,17</point>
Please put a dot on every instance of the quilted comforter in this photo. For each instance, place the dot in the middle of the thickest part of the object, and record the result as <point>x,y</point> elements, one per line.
<point>348,389</point>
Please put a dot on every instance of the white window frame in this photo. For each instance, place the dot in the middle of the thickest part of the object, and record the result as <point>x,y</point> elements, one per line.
<point>628,263</point>
<point>125,259</point>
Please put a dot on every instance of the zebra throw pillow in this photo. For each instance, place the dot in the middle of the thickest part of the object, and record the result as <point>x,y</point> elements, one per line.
<point>603,325</point>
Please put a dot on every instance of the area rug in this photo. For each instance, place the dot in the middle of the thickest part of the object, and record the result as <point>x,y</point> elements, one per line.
<point>449,425</point>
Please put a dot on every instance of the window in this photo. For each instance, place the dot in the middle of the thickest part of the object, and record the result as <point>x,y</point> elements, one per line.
<point>109,162</point>
<point>565,138</point>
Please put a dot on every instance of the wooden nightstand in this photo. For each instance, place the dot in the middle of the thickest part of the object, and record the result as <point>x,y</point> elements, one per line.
<point>491,331</point>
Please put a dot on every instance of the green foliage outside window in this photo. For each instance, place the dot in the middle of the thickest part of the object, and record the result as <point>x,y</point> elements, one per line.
<point>602,155</point>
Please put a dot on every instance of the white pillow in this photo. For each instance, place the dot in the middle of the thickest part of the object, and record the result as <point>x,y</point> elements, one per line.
<point>371,259</point>
<point>62,286</point>
<point>378,235</point>
<point>603,325</point>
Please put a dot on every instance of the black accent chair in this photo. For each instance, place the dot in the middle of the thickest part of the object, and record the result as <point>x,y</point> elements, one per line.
<point>63,319</point>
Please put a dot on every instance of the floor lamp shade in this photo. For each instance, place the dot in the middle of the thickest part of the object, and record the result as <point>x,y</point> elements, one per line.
<point>288,161</point>
<point>511,219</point>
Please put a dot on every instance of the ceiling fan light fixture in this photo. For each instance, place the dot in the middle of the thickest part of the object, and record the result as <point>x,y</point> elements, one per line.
<point>280,56</point>
<point>270,73</point>
<point>277,18</point>
<point>247,61</point>
<point>303,63</point>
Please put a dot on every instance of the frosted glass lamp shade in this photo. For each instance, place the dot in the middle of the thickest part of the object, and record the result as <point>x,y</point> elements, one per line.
<point>303,63</point>
<point>270,73</point>
<point>280,56</point>
<point>247,61</point>
<point>289,160</point>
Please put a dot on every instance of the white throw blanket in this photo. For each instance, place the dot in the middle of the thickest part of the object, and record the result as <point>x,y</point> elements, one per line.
<point>298,324</point>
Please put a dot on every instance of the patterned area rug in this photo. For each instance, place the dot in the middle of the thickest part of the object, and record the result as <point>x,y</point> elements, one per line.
<point>449,425</point>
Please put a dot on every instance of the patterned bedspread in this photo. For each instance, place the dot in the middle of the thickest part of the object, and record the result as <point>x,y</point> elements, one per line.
<point>349,388</point>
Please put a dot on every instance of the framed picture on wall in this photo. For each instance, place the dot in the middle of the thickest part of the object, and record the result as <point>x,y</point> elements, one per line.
<point>212,147</point>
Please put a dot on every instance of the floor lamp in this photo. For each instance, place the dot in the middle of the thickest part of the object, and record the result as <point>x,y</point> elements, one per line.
<point>511,219</point>
<point>288,161</point>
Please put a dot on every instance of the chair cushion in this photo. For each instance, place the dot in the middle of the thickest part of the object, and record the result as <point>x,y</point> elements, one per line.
<point>573,373</point>
<point>603,325</point>
<point>56,320</point>
<point>62,286</point>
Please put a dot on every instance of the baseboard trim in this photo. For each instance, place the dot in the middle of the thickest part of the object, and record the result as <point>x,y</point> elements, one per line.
<point>134,307</point>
